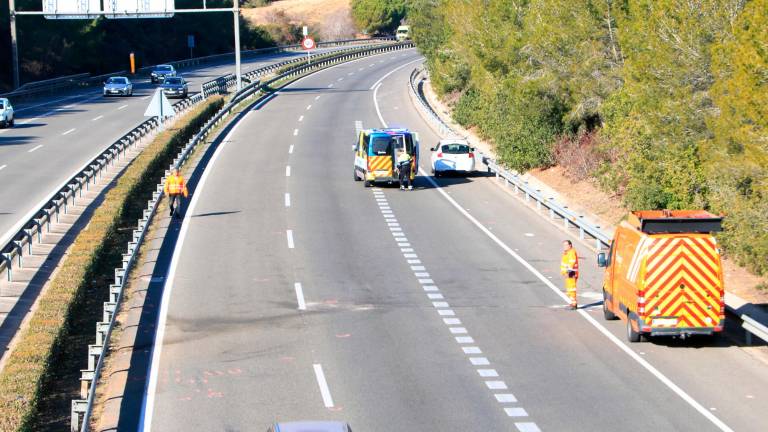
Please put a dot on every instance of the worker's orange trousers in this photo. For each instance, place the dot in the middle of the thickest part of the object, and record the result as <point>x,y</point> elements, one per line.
<point>570,289</point>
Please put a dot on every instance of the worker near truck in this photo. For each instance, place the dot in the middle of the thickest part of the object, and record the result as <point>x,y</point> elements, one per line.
<point>569,268</point>
<point>404,170</point>
<point>175,187</point>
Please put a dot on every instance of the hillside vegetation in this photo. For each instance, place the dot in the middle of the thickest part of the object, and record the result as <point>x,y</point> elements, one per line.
<point>662,101</point>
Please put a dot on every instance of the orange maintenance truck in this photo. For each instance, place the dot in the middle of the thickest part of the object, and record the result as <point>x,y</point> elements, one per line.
<point>663,274</point>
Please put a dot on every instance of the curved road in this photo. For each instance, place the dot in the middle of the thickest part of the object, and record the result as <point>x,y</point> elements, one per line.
<point>54,137</point>
<point>296,293</point>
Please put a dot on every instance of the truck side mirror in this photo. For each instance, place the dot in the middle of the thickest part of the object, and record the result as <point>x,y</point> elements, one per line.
<point>602,260</point>
<point>432,148</point>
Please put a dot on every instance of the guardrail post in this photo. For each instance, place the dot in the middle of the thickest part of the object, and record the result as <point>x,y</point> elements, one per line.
<point>747,337</point>
<point>20,248</point>
<point>94,352</point>
<point>9,271</point>
<point>86,380</point>
<point>78,410</point>
<point>109,310</point>
<point>114,293</point>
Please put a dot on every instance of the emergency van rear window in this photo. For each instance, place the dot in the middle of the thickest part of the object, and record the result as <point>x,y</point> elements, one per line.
<point>381,145</point>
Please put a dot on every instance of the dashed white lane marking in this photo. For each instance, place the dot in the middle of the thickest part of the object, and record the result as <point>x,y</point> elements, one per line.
<point>317,97</point>
<point>435,296</point>
<point>295,132</point>
<point>527,427</point>
<point>325,392</point>
<point>516,412</point>
<point>430,288</point>
<point>414,261</point>
<point>464,339</point>
<point>529,234</point>
<point>350,74</point>
<point>287,199</point>
<point>145,98</point>
<point>289,237</point>
<point>457,330</point>
<point>340,79</point>
<point>479,361</point>
<point>288,171</point>
<point>505,397</point>
<point>122,107</point>
<point>301,118</point>
<point>300,296</point>
<point>69,131</point>
<point>3,167</point>
<point>97,118</point>
<point>309,107</point>
<point>471,350</point>
<point>446,312</point>
<point>496,385</point>
<point>34,148</point>
<point>330,85</point>
<point>290,149</point>
<point>488,373</point>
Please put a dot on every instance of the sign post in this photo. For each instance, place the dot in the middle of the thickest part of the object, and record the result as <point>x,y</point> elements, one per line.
<point>191,44</point>
<point>308,44</point>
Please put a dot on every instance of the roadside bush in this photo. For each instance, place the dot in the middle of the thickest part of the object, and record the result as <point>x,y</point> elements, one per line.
<point>33,369</point>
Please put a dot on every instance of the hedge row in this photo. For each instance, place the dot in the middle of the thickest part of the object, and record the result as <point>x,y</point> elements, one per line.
<point>31,367</point>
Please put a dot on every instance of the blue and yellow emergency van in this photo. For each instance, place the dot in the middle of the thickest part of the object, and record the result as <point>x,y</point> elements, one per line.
<point>376,152</point>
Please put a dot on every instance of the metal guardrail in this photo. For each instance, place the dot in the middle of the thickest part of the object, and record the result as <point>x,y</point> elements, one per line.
<point>556,210</point>
<point>81,409</point>
<point>568,217</point>
<point>12,249</point>
<point>36,88</point>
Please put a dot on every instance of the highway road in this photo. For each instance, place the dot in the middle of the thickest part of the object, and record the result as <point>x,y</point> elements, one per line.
<point>54,137</point>
<point>296,293</point>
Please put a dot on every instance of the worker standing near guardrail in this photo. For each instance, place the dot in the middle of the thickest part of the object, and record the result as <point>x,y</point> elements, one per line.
<point>569,268</point>
<point>175,186</point>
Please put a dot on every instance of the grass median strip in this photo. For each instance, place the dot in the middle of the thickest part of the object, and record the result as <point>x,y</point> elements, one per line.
<point>41,375</point>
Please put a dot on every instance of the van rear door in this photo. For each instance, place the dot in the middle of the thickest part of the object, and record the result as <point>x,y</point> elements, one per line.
<point>683,282</point>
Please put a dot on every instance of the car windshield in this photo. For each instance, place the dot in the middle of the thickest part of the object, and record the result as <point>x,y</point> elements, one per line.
<point>455,148</point>
<point>2,105</point>
<point>117,81</point>
<point>402,31</point>
<point>163,68</point>
<point>173,81</point>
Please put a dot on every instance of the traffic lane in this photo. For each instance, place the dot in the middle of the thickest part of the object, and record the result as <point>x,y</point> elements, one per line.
<point>538,241</point>
<point>241,217</point>
<point>392,365</point>
<point>43,152</point>
<point>231,307</point>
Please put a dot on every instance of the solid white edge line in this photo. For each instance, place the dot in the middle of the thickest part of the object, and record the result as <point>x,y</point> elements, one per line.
<point>393,71</point>
<point>300,296</point>
<point>325,392</point>
<point>644,363</point>
<point>148,405</point>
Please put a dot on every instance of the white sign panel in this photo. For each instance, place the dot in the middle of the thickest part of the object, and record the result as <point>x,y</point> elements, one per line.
<point>71,9</point>
<point>159,106</point>
<point>139,8</point>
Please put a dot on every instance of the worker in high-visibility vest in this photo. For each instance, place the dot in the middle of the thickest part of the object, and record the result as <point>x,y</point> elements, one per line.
<point>175,187</point>
<point>569,268</point>
<point>404,170</point>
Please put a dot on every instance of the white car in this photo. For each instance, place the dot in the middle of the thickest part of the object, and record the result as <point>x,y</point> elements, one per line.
<point>452,155</point>
<point>6,113</point>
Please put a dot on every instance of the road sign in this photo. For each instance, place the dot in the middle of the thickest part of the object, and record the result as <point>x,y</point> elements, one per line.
<point>71,9</point>
<point>159,106</point>
<point>305,31</point>
<point>308,43</point>
<point>138,8</point>
<point>190,41</point>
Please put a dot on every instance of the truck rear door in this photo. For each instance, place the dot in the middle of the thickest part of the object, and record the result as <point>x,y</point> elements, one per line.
<point>683,282</point>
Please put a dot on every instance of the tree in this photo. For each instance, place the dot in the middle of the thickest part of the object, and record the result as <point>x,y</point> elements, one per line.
<point>378,16</point>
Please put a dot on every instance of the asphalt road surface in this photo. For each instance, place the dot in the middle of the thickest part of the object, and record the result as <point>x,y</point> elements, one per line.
<point>55,137</point>
<point>297,293</point>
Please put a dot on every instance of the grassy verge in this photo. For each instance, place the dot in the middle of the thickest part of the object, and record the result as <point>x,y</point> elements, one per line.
<point>41,375</point>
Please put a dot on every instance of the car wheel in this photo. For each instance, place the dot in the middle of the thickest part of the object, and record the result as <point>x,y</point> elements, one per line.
<point>12,122</point>
<point>632,335</point>
<point>607,314</point>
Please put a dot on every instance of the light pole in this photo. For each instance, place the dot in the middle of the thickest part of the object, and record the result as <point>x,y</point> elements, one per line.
<point>14,46</point>
<point>236,13</point>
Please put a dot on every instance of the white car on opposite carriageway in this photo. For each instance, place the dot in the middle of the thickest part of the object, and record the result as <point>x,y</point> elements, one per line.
<point>452,155</point>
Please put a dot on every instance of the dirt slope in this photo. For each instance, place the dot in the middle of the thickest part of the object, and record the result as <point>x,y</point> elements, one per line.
<point>327,18</point>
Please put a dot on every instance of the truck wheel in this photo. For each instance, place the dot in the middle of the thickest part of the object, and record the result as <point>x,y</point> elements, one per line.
<point>367,184</point>
<point>632,335</point>
<point>609,316</point>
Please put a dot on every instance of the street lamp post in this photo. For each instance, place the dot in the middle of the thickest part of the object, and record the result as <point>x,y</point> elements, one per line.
<point>14,46</point>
